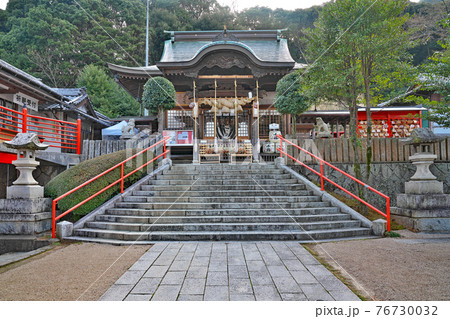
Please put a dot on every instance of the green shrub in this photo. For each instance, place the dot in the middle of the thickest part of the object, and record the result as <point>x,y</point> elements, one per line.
<point>86,170</point>
<point>392,234</point>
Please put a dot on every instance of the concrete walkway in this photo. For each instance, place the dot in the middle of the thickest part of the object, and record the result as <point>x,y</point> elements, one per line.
<point>218,271</point>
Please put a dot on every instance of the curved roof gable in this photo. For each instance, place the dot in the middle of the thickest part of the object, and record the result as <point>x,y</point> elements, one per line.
<point>265,46</point>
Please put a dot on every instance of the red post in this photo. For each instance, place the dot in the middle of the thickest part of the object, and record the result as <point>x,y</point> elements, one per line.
<point>321,175</point>
<point>164,147</point>
<point>53,218</point>
<point>78,136</point>
<point>388,213</point>
<point>281,146</point>
<point>24,120</point>
<point>121,178</point>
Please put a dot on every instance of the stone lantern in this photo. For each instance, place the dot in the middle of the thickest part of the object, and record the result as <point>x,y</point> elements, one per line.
<point>424,206</point>
<point>25,186</point>
<point>423,181</point>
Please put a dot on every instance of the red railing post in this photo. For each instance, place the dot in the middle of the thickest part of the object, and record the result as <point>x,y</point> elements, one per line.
<point>121,178</point>
<point>24,120</point>
<point>78,136</point>
<point>388,213</point>
<point>281,146</point>
<point>321,175</point>
<point>53,218</point>
<point>164,147</point>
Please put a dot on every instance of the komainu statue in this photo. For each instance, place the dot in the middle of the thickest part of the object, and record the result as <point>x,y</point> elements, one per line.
<point>322,129</point>
<point>128,130</point>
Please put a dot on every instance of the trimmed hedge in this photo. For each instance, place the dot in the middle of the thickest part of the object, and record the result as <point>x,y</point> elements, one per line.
<point>86,170</point>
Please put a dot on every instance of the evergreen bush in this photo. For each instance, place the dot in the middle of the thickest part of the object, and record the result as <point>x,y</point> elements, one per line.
<point>86,170</point>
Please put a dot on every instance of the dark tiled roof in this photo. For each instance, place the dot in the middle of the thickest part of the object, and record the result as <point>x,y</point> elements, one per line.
<point>266,46</point>
<point>69,93</point>
<point>28,78</point>
<point>74,97</point>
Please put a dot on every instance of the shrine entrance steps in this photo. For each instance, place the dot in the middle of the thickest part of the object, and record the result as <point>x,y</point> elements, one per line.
<point>221,202</point>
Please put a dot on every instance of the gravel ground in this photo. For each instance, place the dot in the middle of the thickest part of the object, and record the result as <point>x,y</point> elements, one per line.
<point>68,272</point>
<point>414,267</point>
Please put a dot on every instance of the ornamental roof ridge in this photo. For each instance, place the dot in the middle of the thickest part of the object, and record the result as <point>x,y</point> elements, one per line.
<point>210,35</point>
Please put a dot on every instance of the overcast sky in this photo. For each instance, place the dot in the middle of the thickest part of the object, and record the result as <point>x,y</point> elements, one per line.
<point>3,4</point>
<point>243,4</point>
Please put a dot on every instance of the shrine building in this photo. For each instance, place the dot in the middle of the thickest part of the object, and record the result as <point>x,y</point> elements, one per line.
<point>230,75</point>
<point>225,85</point>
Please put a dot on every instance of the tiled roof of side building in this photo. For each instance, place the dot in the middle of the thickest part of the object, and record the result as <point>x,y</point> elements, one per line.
<point>70,93</point>
<point>27,77</point>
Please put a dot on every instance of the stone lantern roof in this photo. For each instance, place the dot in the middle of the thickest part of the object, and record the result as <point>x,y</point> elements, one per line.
<point>29,141</point>
<point>422,136</point>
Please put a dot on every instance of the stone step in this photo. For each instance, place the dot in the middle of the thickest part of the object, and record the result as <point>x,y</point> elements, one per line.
<point>306,204</point>
<point>272,171</point>
<point>222,167</point>
<point>224,235</point>
<point>199,227</point>
<point>222,199</point>
<point>241,181</point>
<point>220,219</point>
<point>196,187</point>
<point>222,193</point>
<point>326,209</point>
<point>221,202</point>
<point>223,177</point>
<point>151,242</point>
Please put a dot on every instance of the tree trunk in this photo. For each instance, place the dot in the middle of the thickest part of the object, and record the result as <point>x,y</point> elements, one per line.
<point>160,121</point>
<point>369,129</point>
<point>356,143</point>
<point>294,125</point>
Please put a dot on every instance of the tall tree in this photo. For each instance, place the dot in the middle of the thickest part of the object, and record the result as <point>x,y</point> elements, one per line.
<point>106,95</point>
<point>289,98</point>
<point>158,96</point>
<point>353,42</point>
<point>435,78</point>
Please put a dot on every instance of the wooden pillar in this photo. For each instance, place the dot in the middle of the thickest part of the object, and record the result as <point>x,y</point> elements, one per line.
<point>337,128</point>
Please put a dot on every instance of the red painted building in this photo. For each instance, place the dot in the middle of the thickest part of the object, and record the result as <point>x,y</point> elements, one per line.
<point>393,121</point>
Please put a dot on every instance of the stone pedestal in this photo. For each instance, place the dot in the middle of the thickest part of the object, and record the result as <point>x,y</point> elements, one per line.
<point>424,206</point>
<point>20,191</point>
<point>25,211</point>
<point>64,229</point>
<point>379,227</point>
<point>25,216</point>
<point>423,212</point>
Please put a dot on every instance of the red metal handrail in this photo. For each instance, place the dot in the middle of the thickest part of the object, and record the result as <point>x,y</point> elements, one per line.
<point>66,135</point>
<point>387,215</point>
<point>120,180</point>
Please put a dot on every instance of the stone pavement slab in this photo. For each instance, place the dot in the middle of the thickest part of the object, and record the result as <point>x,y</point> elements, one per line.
<point>236,271</point>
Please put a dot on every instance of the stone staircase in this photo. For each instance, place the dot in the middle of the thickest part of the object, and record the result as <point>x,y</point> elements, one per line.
<point>221,202</point>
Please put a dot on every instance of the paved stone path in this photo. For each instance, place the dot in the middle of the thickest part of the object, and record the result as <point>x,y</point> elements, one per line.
<point>228,271</point>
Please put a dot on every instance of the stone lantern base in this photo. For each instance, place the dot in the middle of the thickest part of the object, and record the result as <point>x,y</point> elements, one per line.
<point>21,191</point>
<point>25,216</point>
<point>424,206</point>
<point>426,212</point>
